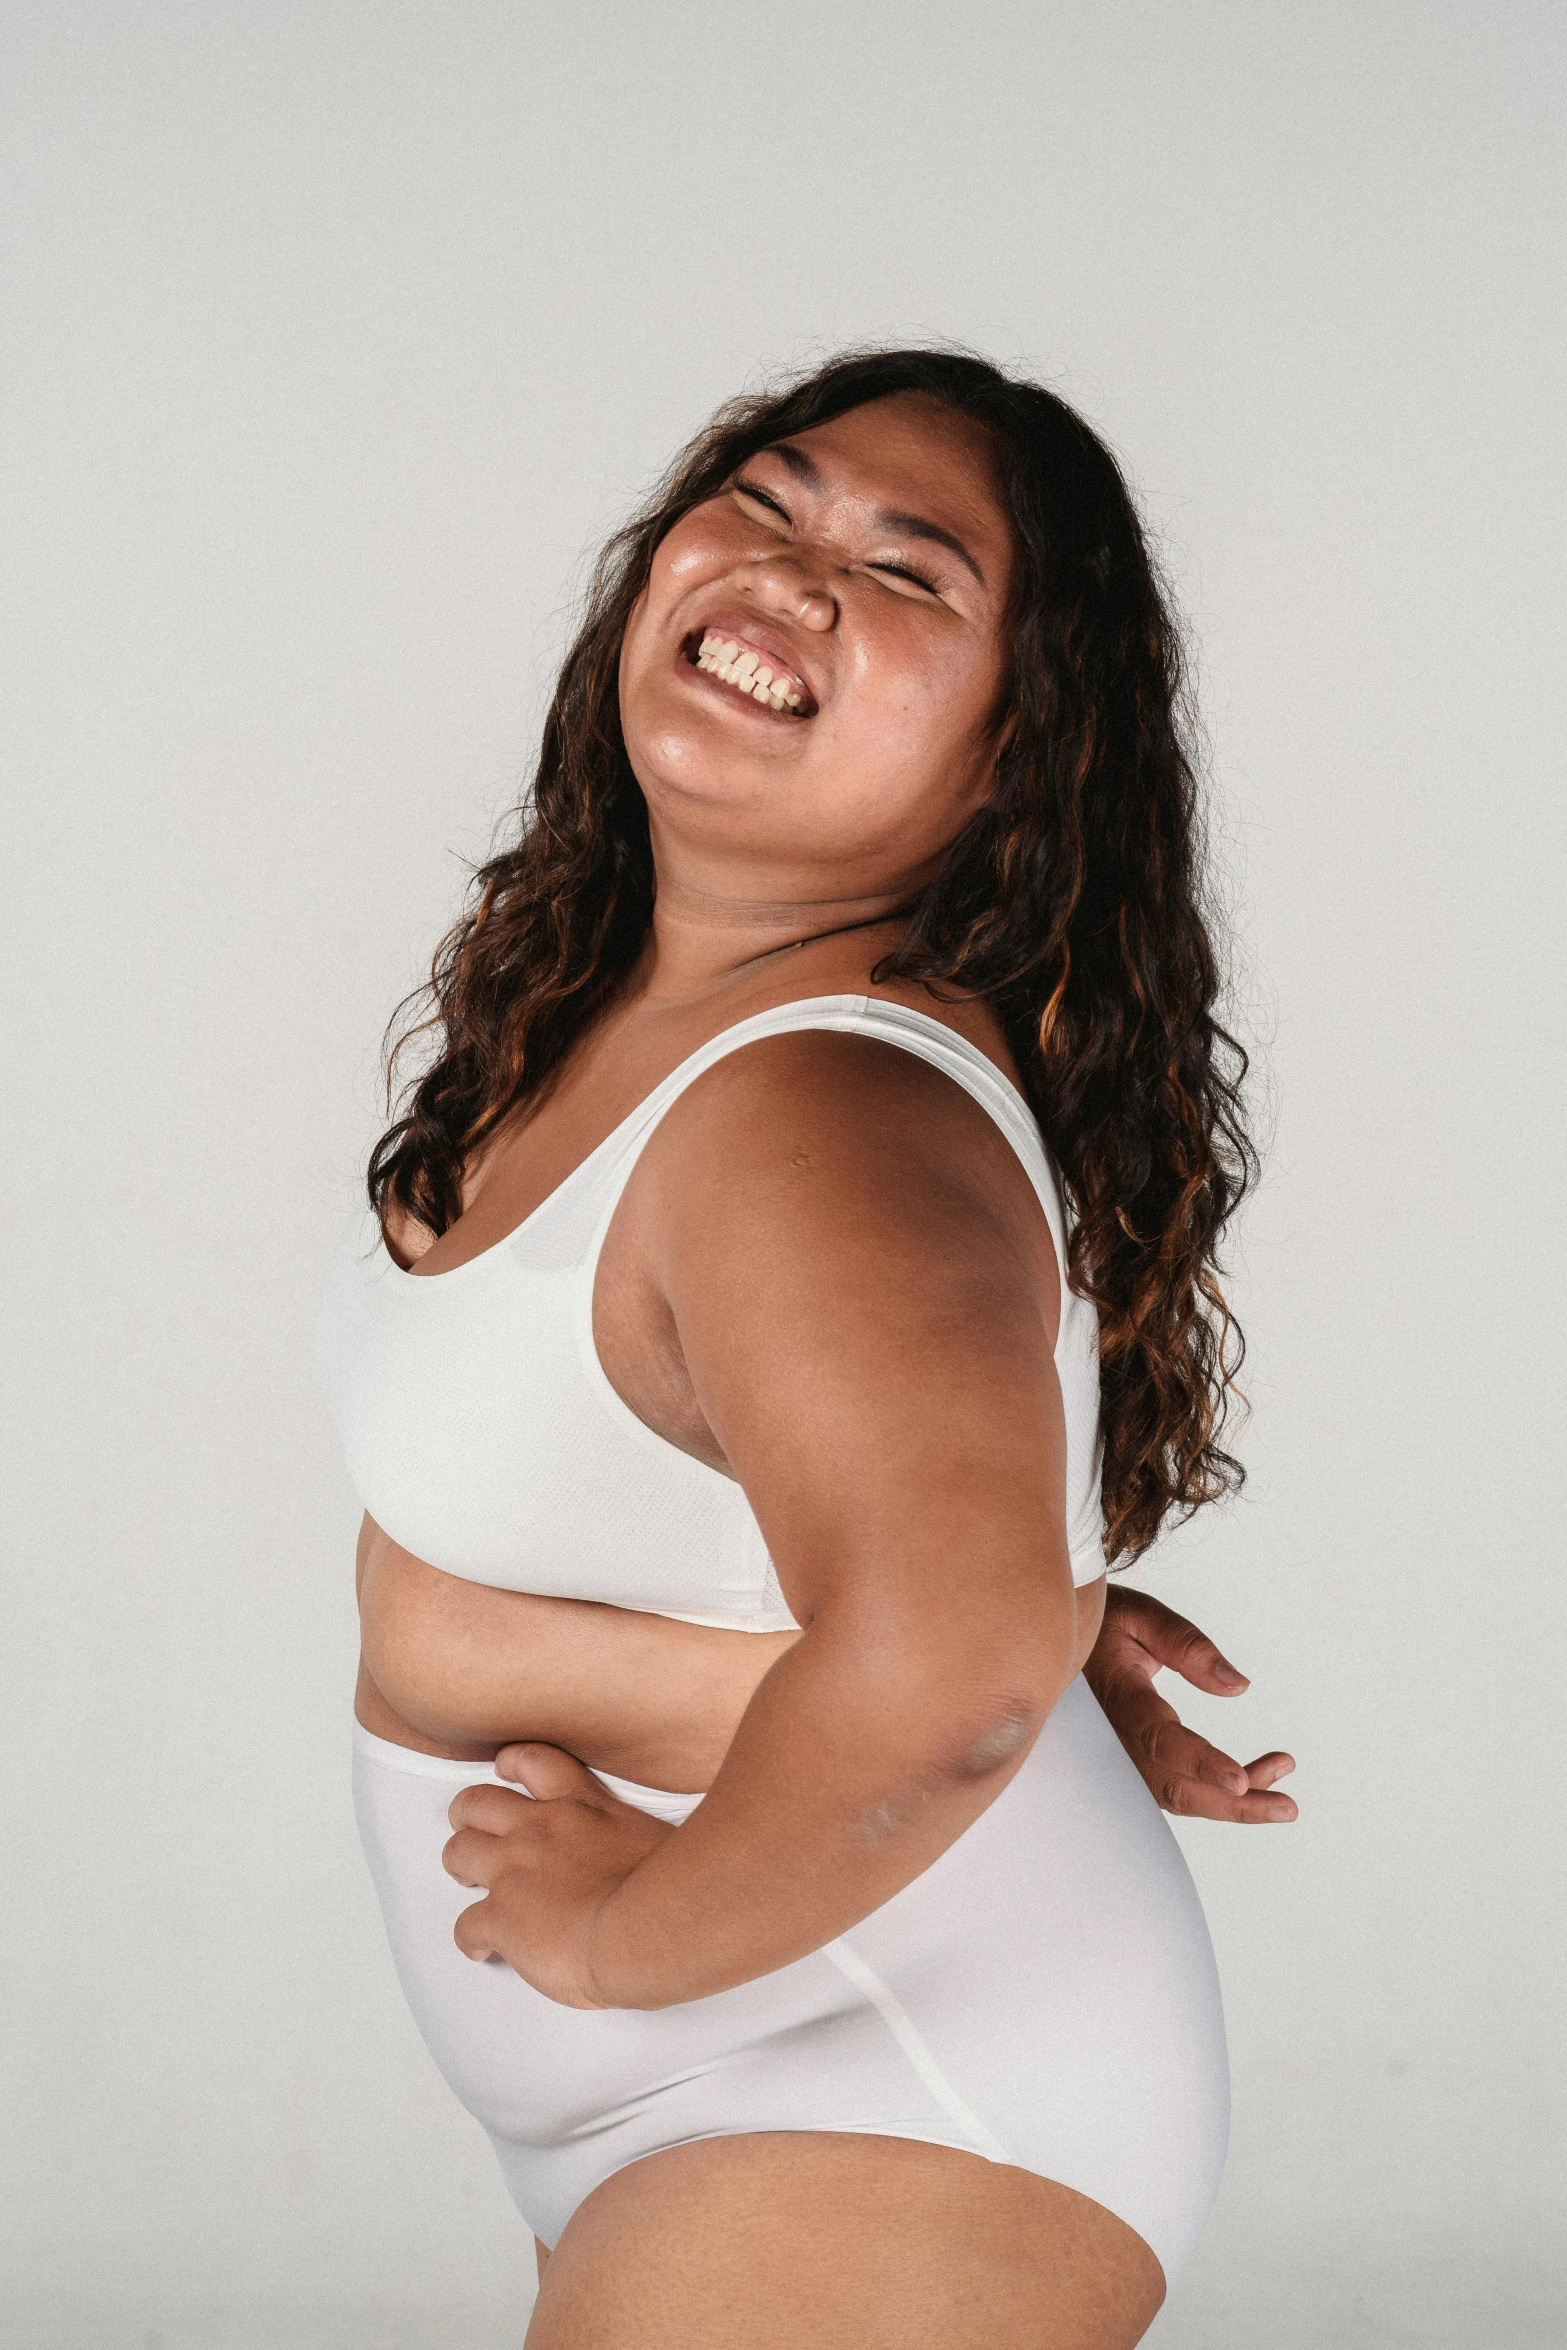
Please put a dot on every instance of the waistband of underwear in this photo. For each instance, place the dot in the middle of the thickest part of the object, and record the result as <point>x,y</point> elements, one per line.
<point>661,1803</point>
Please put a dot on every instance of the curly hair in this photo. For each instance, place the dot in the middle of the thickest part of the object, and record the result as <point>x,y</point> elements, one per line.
<point>1075,901</point>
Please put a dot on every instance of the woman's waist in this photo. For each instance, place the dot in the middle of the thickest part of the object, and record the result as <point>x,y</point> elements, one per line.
<point>465,1668</point>
<point>452,1773</point>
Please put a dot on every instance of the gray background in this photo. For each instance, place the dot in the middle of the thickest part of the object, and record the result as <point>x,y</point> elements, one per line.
<point>347,331</point>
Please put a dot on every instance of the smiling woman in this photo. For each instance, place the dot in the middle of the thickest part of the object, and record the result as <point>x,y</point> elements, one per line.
<point>788,1284</point>
<point>896,656</point>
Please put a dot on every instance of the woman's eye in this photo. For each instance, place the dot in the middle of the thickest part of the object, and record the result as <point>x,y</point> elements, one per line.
<point>764,498</point>
<point>745,489</point>
<point>902,571</point>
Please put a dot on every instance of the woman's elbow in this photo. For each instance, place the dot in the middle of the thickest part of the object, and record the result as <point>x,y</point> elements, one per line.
<point>1002,1737</point>
<point>985,1732</point>
<point>958,1710</point>
<point>959,1751</point>
<point>993,1695</point>
<point>994,1737</point>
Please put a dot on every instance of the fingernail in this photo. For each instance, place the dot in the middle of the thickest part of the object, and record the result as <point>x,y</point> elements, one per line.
<point>1230,1677</point>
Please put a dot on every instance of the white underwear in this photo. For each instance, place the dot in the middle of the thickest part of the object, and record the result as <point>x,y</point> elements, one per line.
<point>1044,1995</point>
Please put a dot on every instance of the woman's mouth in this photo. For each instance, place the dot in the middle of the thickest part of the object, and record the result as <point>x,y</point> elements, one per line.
<point>736,664</point>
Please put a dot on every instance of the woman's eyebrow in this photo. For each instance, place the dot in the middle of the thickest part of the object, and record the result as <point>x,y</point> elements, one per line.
<point>912,526</point>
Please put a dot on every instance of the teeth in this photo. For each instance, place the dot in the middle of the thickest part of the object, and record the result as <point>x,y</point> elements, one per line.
<point>722,657</point>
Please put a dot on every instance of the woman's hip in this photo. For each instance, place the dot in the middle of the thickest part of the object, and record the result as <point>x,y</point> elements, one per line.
<point>1043,1995</point>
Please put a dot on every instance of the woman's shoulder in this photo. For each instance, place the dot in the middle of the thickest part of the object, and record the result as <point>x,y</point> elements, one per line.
<point>811,1130</point>
<point>969,1017</point>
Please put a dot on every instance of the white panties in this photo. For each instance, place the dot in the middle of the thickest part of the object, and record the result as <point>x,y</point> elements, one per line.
<point>1044,1995</point>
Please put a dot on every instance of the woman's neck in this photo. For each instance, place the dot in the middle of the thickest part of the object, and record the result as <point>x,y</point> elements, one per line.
<point>706,929</point>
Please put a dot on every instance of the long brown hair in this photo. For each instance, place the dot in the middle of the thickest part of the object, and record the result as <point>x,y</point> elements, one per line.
<point>1075,901</point>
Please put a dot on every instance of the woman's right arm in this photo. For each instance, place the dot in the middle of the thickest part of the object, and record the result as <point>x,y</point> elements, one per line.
<point>862,1288</point>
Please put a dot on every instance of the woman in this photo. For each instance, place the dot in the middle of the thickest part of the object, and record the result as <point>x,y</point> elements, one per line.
<point>738,1414</point>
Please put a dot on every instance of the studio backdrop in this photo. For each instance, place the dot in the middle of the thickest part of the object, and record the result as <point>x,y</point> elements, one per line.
<point>339,335</point>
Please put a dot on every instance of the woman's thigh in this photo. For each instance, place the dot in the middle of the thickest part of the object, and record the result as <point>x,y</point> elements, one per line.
<point>805,2240</point>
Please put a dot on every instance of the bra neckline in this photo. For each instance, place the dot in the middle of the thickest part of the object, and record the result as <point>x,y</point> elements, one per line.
<point>405,1274</point>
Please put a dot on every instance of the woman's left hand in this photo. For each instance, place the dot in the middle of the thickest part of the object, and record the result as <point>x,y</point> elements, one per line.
<point>548,1861</point>
<point>1140,1637</point>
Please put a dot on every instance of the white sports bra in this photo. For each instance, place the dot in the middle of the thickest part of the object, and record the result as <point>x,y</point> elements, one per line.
<point>483,1436</point>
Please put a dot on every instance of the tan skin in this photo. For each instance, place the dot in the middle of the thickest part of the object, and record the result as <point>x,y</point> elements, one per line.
<point>886,1395</point>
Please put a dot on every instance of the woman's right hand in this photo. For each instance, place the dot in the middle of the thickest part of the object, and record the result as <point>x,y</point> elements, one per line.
<point>1183,1772</point>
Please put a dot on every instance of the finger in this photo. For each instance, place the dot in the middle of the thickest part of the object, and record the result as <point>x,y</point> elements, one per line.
<point>1189,1756</point>
<point>1178,1753</point>
<point>497,1810</point>
<point>1138,1715</point>
<point>549,1772</point>
<point>469,1934</point>
<point>1200,1799</point>
<point>1264,1810</point>
<point>1269,1767</point>
<point>475,1859</point>
<point>1177,1643</point>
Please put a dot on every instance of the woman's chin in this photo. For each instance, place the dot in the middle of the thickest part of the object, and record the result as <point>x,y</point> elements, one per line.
<point>718,764</point>
<point>685,716</point>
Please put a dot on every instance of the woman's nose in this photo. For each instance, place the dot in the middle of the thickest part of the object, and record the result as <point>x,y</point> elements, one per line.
<point>787,587</point>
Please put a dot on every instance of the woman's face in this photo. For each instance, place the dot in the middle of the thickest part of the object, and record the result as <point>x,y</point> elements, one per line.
<point>865,564</point>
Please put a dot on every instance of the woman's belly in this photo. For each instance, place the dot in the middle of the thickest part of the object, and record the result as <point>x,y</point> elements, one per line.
<point>461,1669</point>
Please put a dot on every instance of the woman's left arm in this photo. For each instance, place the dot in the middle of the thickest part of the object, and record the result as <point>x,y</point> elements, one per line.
<point>859,1280</point>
